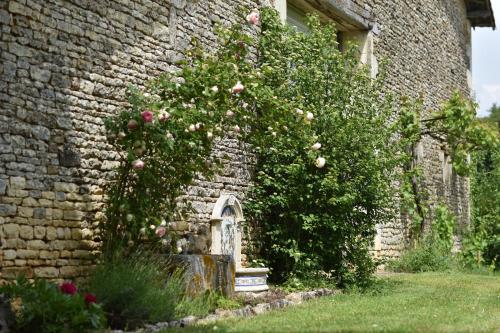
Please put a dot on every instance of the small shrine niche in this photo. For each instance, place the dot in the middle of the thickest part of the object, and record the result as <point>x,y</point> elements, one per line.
<point>226,221</point>
<point>226,225</point>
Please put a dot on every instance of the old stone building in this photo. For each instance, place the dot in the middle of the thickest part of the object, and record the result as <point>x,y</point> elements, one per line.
<point>65,65</point>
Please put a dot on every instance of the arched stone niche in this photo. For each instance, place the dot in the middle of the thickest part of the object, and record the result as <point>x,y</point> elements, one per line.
<point>226,221</point>
<point>226,224</point>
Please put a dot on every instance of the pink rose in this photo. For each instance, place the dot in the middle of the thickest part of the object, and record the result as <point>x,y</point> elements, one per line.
<point>238,87</point>
<point>160,231</point>
<point>253,17</point>
<point>164,116</point>
<point>147,116</point>
<point>138,165</point>
<point>132,124</point>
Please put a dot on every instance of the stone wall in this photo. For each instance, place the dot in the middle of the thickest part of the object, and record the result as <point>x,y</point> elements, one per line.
<point>427,45</point>
<point>64,66</point>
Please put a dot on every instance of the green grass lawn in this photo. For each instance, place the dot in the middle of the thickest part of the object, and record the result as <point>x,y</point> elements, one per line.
<point>427,302</point>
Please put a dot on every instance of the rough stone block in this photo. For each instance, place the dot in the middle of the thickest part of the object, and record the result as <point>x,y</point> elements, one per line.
<point>10,230</point>
<point>46,272</point>
<point>9,254</point>
<point>69,271</point>
<point>25,211</point>
<point>74,215</point>
<point>26,232</point>
<point>7,210</point>
<point>27,254</point>
<point>39,74</point>
<point>65,187</point>
<point>51,233</point>
<point>3,186</point>
<point>14,272</point>
<point>37,245</point>
<point>39,232</point>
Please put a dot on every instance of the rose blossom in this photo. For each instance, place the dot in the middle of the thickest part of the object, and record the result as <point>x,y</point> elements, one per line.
<point>253,17</point>
<point>68,288</point>
<point>163,223</point>
<point>132,124</point>
<point>229,113</point>
<point>236,128</point>
<point>152,227</point>
<point>147,116</point>
<point>309,116</point>
<point>192,128</point>
<point>320,162</point>
<point>164,116</point>
<point>238,87</point>
<point>138,165</point>
<point>160,231</point>
<point>316,146</point>
<point>214,89</point>
<point>90,298</point>
<point>299,111</point>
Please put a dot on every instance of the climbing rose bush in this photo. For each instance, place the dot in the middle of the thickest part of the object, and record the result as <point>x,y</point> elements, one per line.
<point>324,180</point>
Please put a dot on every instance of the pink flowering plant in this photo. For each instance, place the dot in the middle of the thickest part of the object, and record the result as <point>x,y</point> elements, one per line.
<point>49,308</point>
<point>166,137</point>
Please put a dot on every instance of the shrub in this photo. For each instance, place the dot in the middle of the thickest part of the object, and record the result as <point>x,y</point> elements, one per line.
<point>138,289</point>
<point>323,175</point>
<point>424,257</point>
<point>47,308</point>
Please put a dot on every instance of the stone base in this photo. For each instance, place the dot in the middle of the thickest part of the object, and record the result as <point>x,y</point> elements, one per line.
<point>207,272</point>
<point>251,279</point>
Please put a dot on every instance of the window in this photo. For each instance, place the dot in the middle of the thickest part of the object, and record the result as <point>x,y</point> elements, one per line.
<point>294,12</point>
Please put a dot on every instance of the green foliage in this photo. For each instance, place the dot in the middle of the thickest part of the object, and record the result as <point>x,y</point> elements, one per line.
<point>138,289</point>
<point>456,126</point>
<point>482,244</point>
<point>204,304</point>
<point>432,252</point>
<point>425,257</point>
<point>443,228</point>
<point>309,216</point>
<point>44,308</point>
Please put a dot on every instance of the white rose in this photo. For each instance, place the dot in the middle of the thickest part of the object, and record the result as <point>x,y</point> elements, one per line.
<point>299,111</point>
<point>238,87</point>
<point>309,116</point>
<point>214,89</point>
<point>192,127</point>
<point>229,113</point>
<point>152,227</point>
<point>320,162</point>
<point>316,146</point>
